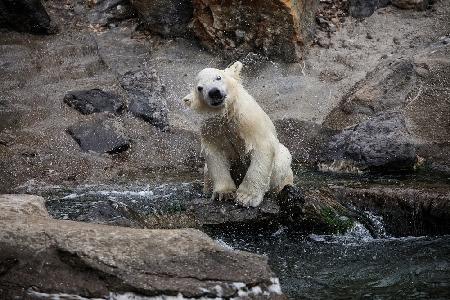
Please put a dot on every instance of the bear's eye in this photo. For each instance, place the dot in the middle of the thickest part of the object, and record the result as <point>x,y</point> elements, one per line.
<point>200,88</point>
<point>218,78</point>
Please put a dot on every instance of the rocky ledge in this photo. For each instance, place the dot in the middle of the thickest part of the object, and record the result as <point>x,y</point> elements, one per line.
<point>42,257</point>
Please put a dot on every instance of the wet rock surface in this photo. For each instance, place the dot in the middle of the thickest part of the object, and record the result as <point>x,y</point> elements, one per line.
<point>381,143</point>
<point>93,101</point>
<point>42,256</point>
<point>147,97</point>
<point>25,16</point>
<point>278,29</point>
<point>106,12</point>
<point>405,211</point>
<point>384,88</point>
<point>100,136</point>
<point>365,8</point>
<point>412,4</point>
<point>167,18</point>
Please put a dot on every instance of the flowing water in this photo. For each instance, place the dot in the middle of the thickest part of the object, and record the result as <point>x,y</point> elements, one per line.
<point>353,265</point>
<point>310,266</point>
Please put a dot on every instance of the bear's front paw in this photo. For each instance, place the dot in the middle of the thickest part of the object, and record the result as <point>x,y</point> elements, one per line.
<point>223,196</point>
<point>249,199</point>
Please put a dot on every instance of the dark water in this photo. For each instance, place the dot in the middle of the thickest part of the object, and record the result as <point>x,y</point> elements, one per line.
<point>349,266</point>
<point>352,266</point>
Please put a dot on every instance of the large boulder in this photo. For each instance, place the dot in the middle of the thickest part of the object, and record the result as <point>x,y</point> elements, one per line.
<point>24,16</point>
<point>93,101</point>
<point>412,4</point>
<point>165,17</point>
<point>428,110</point>
<point>104,12</point>
<point>101,136</point>
<point>382,143</point>
<point>386,87</point>
<point>365,8</point>
<point>278,29</point>
<point>40,256</point>
<point>147,97</point>
<point>405,211</point>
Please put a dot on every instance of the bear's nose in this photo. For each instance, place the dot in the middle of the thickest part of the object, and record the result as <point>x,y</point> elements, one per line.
<point>215,94</point>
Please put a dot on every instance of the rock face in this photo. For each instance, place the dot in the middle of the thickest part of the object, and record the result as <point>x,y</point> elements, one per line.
<point>105,12</point>
<point>418,87</point>
<point>405,211</point>
<point>429,108</point>
<point>42,256</point>
<point>412,4</point>
<point>99,136</point>
<point>386,87</point>
<point>147,97</point>
<point>24,16</point>
<point>165,17</point>
<point>382,143</point>
<point>365,8</point>
<point>93,101</point>
<point>278,29</point>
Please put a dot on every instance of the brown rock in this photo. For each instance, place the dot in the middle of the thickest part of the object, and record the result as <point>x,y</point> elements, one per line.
<point>92,260</point>
<point>278,29</point>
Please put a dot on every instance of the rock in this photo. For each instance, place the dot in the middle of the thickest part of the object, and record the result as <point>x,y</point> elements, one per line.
<point>99,136</point>
<point>184,205</point>
<point>25,16</point>
<point>412,4</point>
<point>386,87</point>
<point>27,205</point>
<point>405,211</point>
<point>93,101</point>
<point>165,17</point>
<point>147,97</point>
<point>278,29</point>
<point>429,107</point>
<point>46,257</point>
<point>365,8</point>
<point>382,143</point>
<point>105,12</point>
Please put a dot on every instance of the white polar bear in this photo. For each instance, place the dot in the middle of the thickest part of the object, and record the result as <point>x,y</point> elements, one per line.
<point>238,139</point>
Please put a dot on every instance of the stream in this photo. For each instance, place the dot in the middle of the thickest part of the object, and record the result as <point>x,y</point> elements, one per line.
<point>310,266</point>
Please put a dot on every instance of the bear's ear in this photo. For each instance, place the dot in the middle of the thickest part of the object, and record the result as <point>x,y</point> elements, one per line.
<point>188,99</point>
<point>235,70</point>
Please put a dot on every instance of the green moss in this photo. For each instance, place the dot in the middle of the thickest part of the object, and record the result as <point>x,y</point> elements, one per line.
<point>335,222</point>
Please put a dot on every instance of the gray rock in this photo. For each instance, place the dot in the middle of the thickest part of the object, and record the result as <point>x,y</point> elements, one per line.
<point>365,8</point>
<point>382,143</point>
<point>147,97</point>
<point>93,101</point>
<point>412,4</point>
<point>166,17</point>
<point>386,87</point>
<point>99,136</point>
<point>107,11</point>
<point>25,16</point>
<point>406,211</point>
<point>42,256</point>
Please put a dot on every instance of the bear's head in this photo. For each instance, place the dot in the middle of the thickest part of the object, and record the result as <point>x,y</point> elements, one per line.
<point>214,89</point>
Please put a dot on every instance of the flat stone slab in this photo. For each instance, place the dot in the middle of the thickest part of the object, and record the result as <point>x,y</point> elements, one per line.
<point>43,256</point>
<point>99,136</point>
<point>94,101</point>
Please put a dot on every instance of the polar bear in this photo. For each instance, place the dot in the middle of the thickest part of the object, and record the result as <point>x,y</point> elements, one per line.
<point>244,158</point>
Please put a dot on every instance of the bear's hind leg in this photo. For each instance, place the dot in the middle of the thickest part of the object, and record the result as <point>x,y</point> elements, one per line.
<point>282,174</point>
